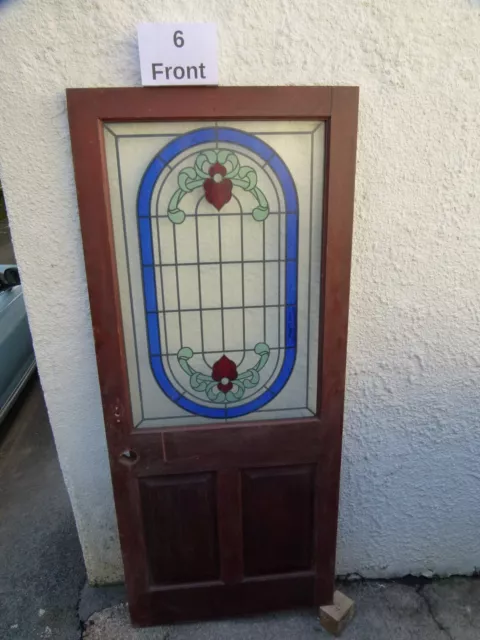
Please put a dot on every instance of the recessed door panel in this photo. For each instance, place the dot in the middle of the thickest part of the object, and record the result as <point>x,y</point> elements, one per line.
<point>278,519</point>
<point>180,522</point>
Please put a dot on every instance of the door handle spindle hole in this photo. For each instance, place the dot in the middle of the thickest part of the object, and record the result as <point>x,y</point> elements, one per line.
<point>129,457</point>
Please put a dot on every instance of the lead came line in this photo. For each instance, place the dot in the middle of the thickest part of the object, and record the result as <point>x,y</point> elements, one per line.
<point>248,306</point>
<point>192,264</point>
<point>309,268</point>
<point>268,159</point>
<point>178,283</point>
<point>125,236</point>
<point>177,134</point>
<point>217,352</point>
<point>278,307</point>
<point>166,361</point>
<point>279,288</point>
<point>197,237</point>
<point>163,289</point>
<point>225,214</point>
<point>221,279</point>
<point>243,288</point>
<point>264,286</point>
<point>265,410</point>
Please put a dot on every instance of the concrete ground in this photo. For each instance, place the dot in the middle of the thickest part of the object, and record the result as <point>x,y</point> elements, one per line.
<point>41,565</point>
<point>42,576</point>
<point>443,610</point>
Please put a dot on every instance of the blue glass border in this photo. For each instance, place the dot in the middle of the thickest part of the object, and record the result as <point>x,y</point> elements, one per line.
<point>150,177</point>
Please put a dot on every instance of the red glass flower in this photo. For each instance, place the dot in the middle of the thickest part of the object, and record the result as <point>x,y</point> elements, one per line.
<point>218,189</point>
<point>223,372</point>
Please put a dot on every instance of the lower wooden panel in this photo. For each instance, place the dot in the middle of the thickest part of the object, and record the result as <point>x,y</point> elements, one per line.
<point>256,444</point>
<point>278,519</point>
<point>254,595</point>
<point>179,519</point>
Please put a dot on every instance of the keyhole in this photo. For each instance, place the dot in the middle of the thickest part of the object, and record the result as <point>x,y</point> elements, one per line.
<point>129,457</point>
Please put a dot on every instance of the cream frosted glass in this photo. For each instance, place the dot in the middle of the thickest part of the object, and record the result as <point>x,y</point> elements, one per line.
<point>217,231</point>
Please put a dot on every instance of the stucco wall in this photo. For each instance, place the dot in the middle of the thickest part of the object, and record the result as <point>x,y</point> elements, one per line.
<point>411,478</point>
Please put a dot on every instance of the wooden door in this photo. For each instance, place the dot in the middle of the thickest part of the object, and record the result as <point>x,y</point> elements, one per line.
<point>217,228</point>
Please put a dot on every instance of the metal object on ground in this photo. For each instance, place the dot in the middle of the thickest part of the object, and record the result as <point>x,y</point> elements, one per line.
<point>17,360</point>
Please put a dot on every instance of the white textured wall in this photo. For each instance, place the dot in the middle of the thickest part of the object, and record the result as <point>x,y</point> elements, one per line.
<point>411,477</point>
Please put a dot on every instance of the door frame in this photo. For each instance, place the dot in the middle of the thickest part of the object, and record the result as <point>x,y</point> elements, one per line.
<point>88,110</point>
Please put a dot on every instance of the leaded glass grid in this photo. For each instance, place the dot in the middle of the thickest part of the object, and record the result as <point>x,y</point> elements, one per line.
<point>217,235</point>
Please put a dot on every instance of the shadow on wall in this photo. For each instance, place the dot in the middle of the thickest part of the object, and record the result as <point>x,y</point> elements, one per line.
<point>7,255</point>
<point>3,209</point>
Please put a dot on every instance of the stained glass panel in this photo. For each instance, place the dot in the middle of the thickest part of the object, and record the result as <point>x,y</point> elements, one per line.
<point>217,230</point>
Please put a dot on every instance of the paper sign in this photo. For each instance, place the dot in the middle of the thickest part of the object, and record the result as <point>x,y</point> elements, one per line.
<point>174,54</point>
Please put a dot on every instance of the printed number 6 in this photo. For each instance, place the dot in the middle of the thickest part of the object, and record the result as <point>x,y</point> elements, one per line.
<point>178,40</point>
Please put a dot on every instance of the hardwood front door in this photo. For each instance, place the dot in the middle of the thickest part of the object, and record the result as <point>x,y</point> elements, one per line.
<point>217,229</point>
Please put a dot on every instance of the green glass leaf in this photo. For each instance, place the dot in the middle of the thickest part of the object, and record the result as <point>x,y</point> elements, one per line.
<point>260,214</point>
<point>234,396</point>
<point>197,382</point>
<point>224,154</point>
<point>250,176</point>
<point>191,178</point>
<point>227,157</point>
<point>209,156</point>
<point>261,348</point>
<point>177,216</point>
<point>185,177</point>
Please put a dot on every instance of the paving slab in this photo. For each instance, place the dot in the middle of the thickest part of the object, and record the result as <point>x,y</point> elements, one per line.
<point>390,611</point>
<point>455,605</point>
<point>114,623</point>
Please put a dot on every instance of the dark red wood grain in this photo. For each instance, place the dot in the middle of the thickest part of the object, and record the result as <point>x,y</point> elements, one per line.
<point>179,519</point>
<point>205,484</point>
<point>278,519</point>
<point>230,530</point>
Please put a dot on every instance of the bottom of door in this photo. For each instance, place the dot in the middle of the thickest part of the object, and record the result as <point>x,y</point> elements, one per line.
<point>244,534</point>
<point>165,605</point>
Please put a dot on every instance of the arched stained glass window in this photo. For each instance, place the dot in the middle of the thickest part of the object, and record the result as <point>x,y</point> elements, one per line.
<point>220,250</point>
